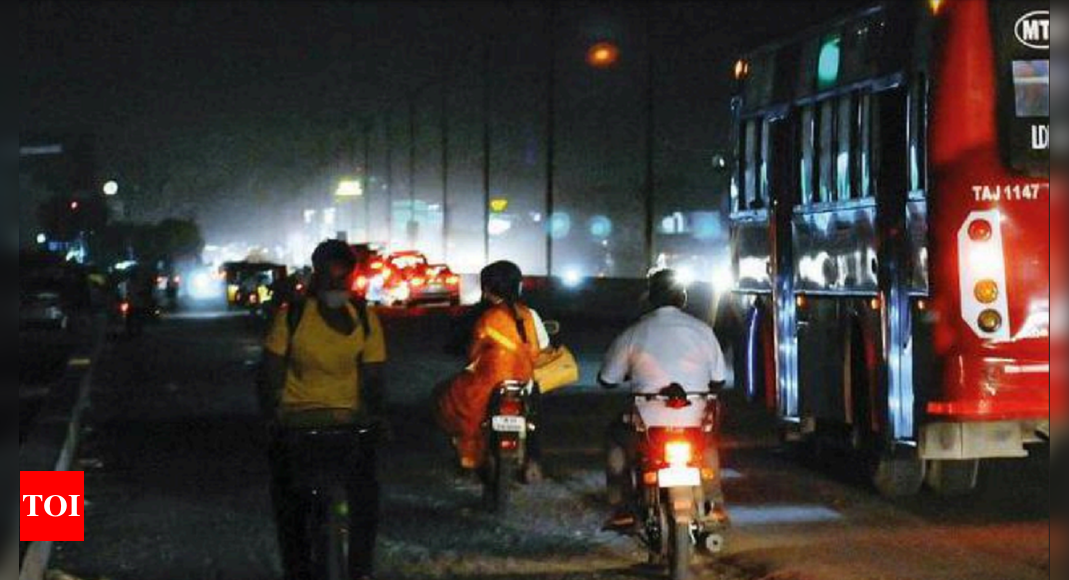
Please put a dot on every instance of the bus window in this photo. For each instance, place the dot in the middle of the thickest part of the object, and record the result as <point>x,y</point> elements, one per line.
<point>762,200</point>
<point>869,138</point>
<point>827,152</point>
<point>918,154</point>
<point>807,134</point>
<point>750,165</point>
<point>845,157</point>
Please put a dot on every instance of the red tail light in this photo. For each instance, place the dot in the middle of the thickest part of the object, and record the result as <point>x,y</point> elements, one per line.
<point>678,453</point>
<point>511,407</point>
<point>509,444</point>
<point>452,280</point>
<point>124,308</point>
<point>417,282</point>
<point>376,265</point>
<point>360,283</point>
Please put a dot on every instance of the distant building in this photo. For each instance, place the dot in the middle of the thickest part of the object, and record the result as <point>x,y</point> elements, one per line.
<point>60,170</point>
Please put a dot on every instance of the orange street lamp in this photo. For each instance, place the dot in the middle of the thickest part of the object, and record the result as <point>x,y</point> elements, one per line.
<point>603,55</point>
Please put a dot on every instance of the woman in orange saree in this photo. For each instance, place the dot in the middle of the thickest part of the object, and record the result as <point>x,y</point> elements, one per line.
<point>504,347</point>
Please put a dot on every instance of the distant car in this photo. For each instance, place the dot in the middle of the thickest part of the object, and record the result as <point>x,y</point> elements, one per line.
<point>408,278</point>
<point>52,296</point>
<point>440,285</point>
<point>249,284</point>
<point>368,273</point>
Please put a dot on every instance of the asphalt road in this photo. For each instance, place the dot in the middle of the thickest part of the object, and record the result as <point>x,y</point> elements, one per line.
<point>177,479</point>
<point>43,359</point>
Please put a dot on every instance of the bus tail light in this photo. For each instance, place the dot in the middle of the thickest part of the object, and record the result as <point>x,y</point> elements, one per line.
<point>990,321</point>
<point>986,291</point>
<point>982,273</point>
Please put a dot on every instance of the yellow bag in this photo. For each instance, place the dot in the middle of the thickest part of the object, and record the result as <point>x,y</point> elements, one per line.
<point>556,368</point>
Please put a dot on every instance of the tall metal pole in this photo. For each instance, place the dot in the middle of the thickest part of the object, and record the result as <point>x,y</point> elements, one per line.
<point>650,141</point>
<point>551,132</point>
<point>487,107</point>
<point>410,228</point>
<point>389,177</point>
<point>444,125</point>
<point>367,181</point>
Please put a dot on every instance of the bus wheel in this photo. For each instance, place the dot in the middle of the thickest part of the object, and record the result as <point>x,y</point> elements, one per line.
<point>898,475</point>
<point>953,478</point>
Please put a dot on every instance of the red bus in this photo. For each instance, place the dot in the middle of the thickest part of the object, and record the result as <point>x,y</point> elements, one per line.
<point>891,239</point>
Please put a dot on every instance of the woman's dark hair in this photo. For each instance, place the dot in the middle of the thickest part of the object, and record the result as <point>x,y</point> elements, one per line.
<point>332,252</point>
<point>325,254</point>
<point>505,280</point>
<point>666,290</point>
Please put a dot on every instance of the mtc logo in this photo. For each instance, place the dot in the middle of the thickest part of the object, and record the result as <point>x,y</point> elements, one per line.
<point>1033,30</point>
<point>52,506</point>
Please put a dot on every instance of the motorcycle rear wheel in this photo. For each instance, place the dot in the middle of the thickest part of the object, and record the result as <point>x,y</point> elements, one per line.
<point>502,472</point>
<point>681,551</point>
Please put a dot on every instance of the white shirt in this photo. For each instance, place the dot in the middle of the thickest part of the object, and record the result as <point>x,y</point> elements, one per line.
<point>540,327</point>
<point>667,346</point>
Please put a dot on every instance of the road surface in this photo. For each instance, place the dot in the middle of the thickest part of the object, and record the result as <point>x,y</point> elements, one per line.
<point>177,484</point>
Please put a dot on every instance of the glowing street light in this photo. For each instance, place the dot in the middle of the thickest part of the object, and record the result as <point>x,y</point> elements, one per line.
<point>350,188</point>
<point>603,55</point>
<point>111,188</point>
<point>41,239</point>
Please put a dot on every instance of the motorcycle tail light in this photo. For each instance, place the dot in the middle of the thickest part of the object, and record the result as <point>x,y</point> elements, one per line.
<point>124,308</point>
<point>650,478</point>
<point>511,407</point>
<point>708,474</point>
<point>678,453</point>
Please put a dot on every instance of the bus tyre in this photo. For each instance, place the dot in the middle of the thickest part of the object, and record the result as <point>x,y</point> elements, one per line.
<point>896,476</point>
<point>953,478</point>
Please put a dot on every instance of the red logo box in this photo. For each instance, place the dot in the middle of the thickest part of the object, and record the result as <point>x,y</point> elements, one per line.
<point>52,506</point>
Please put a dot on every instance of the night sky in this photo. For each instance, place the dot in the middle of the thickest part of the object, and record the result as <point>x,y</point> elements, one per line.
<point>203,108</point>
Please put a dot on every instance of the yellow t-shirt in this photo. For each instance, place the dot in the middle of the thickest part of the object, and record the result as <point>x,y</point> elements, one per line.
<point>324,365</point>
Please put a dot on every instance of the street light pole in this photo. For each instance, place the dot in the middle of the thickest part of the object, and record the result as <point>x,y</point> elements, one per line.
<point>650,140</point>
<point>410,227</point>
<point>487,104</point>
<point>367,181</point>
<point>551,133</point>
<point>444,125</point>
<point>388,130</point>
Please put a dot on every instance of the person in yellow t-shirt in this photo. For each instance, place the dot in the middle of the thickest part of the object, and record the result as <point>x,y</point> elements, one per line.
<point>323,363</point>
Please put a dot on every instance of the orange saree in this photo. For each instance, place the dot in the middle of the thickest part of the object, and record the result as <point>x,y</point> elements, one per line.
<point>498,353</point>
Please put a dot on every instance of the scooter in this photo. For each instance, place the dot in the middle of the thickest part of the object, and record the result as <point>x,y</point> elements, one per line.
<point>507,429</point>
<point>677,520</point>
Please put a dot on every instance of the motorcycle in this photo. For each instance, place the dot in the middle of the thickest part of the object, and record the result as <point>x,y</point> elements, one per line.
<point>507,429</point>
<point>676,519</point>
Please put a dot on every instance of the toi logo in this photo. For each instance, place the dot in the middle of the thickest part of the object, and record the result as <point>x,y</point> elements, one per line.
<point>52,506</point>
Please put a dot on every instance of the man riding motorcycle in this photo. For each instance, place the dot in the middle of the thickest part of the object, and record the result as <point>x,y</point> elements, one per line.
<point>667,348</point>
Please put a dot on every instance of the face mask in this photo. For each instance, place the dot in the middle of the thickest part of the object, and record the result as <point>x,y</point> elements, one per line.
<point>334,298</point>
